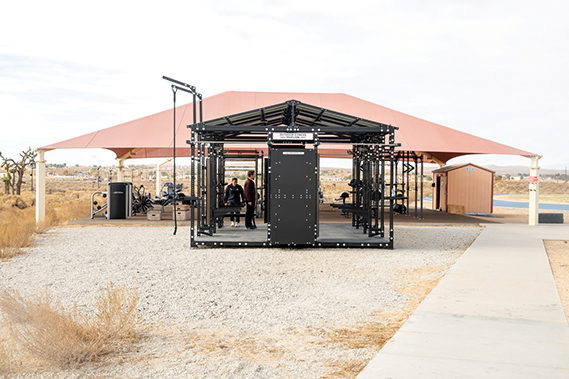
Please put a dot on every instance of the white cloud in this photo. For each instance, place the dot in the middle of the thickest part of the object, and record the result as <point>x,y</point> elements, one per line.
<point>496,69</point>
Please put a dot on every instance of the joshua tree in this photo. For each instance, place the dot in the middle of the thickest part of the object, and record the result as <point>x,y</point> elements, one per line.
<point>16,170</point>
<point>8,179</point>
<point>7,182</point>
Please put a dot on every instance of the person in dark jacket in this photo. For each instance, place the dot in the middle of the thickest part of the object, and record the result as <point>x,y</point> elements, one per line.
<point>234,197</point>
<point>250,193</point>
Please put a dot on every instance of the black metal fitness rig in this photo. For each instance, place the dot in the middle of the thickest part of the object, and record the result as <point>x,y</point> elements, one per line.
<point>288,176</point>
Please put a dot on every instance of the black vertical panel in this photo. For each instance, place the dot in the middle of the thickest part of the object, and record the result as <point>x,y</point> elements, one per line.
<point>293,182</point>
<point>266,212</point>
<point>118,201</point>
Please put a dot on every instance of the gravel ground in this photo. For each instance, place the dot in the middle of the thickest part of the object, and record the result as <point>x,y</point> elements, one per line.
<point>232,313</point>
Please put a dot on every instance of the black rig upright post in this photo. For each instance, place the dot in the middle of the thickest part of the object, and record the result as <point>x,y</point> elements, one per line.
<point>421,158</point>
<point>392,168</point>
<point>190,89</point>
<point>408,188</point>
<point>174,89</point>
<point>192,186</point>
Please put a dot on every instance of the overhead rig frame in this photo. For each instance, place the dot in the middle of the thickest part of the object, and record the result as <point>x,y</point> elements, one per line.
<point>284,140</point>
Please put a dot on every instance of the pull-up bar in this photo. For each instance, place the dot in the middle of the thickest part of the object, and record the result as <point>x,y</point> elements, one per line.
<point>190,89</point>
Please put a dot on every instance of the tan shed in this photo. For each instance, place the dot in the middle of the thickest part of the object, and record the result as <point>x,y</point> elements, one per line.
<point>463,189</point>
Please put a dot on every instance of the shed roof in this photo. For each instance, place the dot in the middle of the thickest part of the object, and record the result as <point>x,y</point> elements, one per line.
<point>453,167</point>
<point>151,136</point>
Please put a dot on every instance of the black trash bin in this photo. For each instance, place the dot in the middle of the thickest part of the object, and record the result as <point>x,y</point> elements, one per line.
<point>119,200</point>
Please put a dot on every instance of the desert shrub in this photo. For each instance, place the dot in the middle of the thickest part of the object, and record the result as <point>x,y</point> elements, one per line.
<point>508,187</point>
<point>65,206</point>
<point>70,338</point>
<point>17,229</point>
<point>17,217</point>
<point>14,201</point>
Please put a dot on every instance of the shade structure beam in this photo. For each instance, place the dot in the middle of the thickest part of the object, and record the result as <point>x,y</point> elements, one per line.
<point>317,119</point>
<point>290,116</point>
<point>283,129</point>
<point>293,114</point>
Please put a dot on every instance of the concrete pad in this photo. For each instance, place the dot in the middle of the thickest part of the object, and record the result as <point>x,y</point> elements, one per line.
<point>388,366</point>
<point>484,340</point>
<point>496,314</point>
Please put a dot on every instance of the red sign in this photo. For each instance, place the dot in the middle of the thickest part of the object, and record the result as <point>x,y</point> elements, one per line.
<point>532,179</point>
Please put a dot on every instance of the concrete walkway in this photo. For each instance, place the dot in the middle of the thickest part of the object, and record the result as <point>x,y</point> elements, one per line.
<point>496,314</point>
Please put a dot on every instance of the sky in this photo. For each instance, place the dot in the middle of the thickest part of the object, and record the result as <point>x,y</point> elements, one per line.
<point>496,69</point>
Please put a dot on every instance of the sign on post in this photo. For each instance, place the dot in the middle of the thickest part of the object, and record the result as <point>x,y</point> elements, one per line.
<point>293,136</point>
<point>532,183</point>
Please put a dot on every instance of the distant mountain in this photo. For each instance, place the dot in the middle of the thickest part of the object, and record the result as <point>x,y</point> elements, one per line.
<point>560,167</point>
<point>515,170</point>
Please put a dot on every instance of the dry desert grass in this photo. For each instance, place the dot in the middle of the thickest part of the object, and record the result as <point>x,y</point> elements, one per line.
<point>510,187</point>
<point>6,365</point>
<point>41,327</point>
<point>17,217</point>
<point>17,230</point>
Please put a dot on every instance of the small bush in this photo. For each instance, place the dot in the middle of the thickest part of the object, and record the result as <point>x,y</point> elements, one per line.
<point>17,217</point>
<point>69,338</point>
<point>11,201</point>
<point>65,206</point>
<point>17,229</point>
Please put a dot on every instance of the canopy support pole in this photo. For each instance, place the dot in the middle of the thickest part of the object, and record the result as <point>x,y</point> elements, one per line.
<point>534,190</point>
<point>158,179</point>
<point>120,175</point>
<point>40,186</point>
<point>159,176</point>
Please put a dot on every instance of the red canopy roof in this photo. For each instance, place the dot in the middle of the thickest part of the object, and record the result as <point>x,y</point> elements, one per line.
<point>151,136</point>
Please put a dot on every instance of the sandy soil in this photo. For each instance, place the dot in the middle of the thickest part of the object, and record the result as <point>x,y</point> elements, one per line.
<point>558,252</point>
<point>414,284</point>
<point>234,313</point>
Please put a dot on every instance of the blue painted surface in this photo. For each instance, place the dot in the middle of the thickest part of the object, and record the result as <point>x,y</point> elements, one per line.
<point>525,205</point>
<point>521,204</point>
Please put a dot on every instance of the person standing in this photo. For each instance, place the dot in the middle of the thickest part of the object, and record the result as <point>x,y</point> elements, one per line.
<point>250,193</point>
<point>233,198</point>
